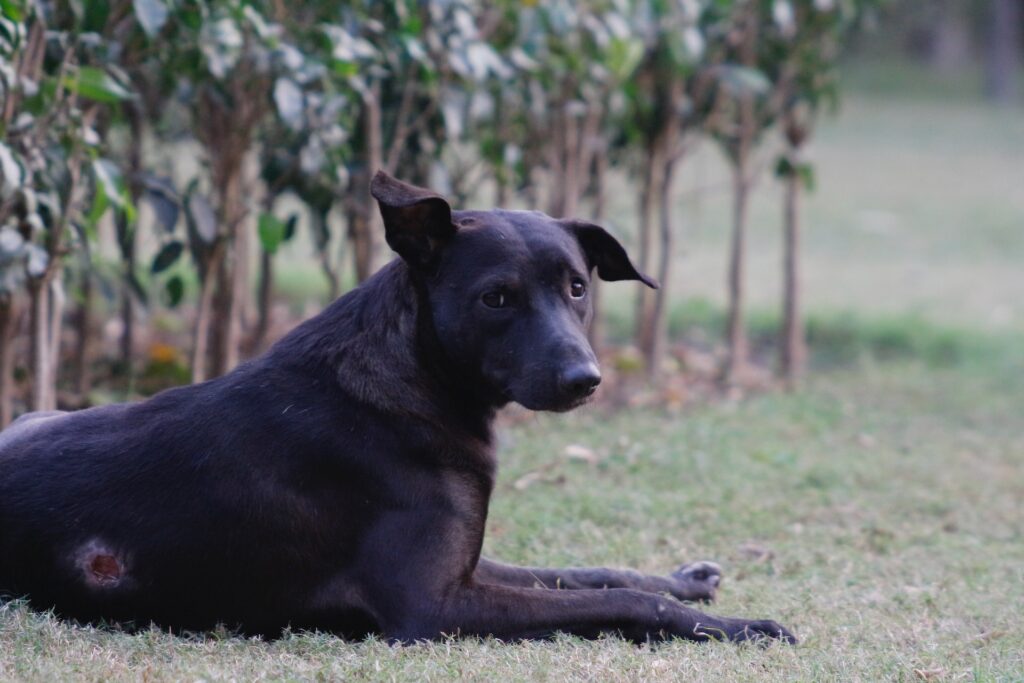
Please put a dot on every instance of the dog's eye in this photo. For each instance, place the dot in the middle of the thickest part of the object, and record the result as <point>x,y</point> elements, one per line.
<point>495,299</point>
<point>577,288</point>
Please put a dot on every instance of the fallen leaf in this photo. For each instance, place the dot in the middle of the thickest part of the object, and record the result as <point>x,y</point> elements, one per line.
<point>578,452</point>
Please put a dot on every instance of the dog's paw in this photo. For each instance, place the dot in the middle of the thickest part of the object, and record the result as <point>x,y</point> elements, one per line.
<point>697,581</point>
<point>762,631</point>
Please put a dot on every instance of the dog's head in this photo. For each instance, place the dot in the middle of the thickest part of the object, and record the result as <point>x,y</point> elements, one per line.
<point>508,290</point>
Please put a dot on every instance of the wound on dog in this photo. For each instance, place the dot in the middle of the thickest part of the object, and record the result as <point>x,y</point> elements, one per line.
<point>100,565</point>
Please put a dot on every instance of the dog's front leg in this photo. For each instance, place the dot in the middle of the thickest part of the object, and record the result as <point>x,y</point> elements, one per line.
<point>513,613</point>
<point>692,582</point>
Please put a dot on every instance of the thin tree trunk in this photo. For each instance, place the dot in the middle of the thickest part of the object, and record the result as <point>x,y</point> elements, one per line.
<point>83,326</point>
<point>374,225</point>
<point>793,349</point>
<point>240,293</point>
<point>363,219</point>
<point>736,334</point>
<point>324,255</point>
<point>8,323</point>
<point>264,301</point>
<point>221,306</point>
<point>134,117</point>
<point>204,309</point>
<point>556,160</point>
<point>57,301</point>
<point>644,299</point>
<point>40,356</point>
<point>596,333</point>
<point>358,227</point>
<point>232,284</point>
<point>1003,50</point>
<point>571,165</point>
<point>659,313</point>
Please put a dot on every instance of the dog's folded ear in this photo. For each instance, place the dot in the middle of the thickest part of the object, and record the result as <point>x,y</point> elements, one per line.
<point>604,253</point>
<point>417,222</point>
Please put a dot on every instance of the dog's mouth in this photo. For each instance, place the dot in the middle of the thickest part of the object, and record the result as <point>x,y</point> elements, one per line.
<point>551,406</point>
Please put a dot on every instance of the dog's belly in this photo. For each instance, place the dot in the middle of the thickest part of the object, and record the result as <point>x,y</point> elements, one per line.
<point>144,513</point>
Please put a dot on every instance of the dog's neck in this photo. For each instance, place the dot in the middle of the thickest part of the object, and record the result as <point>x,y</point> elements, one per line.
<point>379,342</point>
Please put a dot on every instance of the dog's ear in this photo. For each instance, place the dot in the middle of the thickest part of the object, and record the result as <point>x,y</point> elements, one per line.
<point>417,222</point>
<point>604,252</point>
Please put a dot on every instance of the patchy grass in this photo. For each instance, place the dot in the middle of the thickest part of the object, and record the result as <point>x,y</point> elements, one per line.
<point>878,513</point>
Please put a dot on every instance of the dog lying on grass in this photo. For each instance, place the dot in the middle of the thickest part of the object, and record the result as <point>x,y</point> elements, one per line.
<point>341,481</point>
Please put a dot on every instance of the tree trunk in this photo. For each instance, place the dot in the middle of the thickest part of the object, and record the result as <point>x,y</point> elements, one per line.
<point>232,283</point>
<point>41,358</point>
<point>83,325</point>
<point>358,228</point>
<point>644,300</point>
<point>264,300</point>
<point>324,255</point>
<point>596,333</point>
<point>1003,49</point>
<point>374,226</point>
<point>736,334</point>
<point>655,353</point>
<point>8,324</point>
<point>204,309</point>
<point>571,165</point>
<point>223,303</point>
<point>793,349</point>
<point>555,166</point>
<point>134,117</point>
<point>364,224</point>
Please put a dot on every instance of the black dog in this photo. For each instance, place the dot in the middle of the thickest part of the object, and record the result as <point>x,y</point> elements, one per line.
<point>341,481</point>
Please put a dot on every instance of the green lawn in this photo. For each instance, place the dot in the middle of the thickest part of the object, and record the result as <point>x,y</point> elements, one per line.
<point>878,513</point>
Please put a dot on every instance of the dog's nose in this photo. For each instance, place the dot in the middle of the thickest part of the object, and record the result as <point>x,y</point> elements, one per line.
<point>580,380</point>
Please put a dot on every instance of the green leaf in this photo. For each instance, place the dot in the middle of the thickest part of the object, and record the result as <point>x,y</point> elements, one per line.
<point>623,57</point>
<point>152,15</point>
<point>96,84</point>
<point>96,13</point>
<point>783,168</point>
<point>806,173</point>
<point>272,232</point>
<point>110,183</point>
<point>174,290</point>
<point>12,10</point>
<point>344,69</point>
<point>100,204</point>
<point>166,257</point>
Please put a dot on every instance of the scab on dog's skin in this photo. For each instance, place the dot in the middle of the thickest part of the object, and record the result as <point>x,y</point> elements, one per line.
<point>341,481</point>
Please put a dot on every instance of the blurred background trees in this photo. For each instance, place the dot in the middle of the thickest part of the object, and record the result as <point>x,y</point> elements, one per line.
<point>206,134</point>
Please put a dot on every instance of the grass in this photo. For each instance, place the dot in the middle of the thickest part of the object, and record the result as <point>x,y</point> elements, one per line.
<point>877,513</point>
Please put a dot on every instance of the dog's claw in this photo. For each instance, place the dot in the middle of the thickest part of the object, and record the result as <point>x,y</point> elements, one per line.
<point>764,632</point>
<point>697,581</point>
